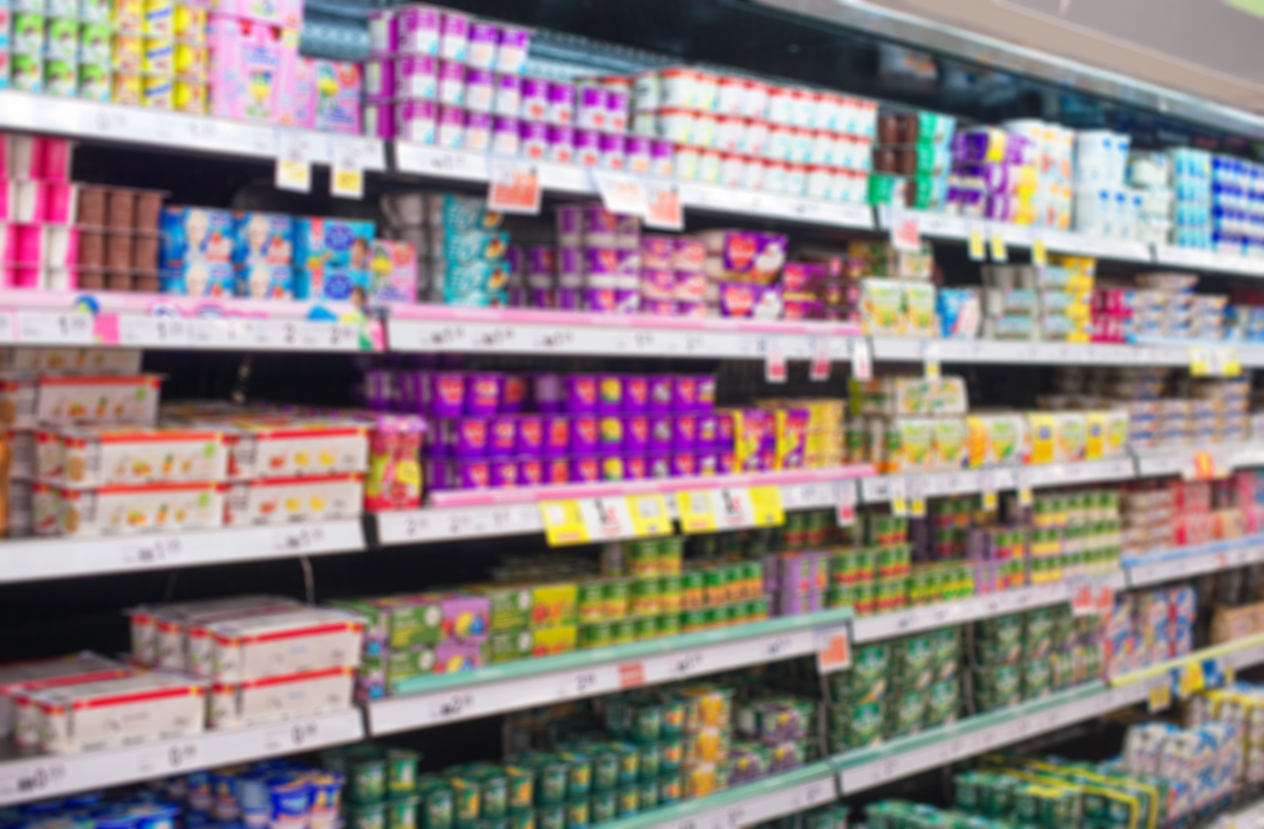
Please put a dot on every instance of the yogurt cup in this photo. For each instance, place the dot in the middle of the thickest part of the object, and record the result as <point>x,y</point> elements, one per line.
<point>660,393</point>
<point>561,144</point>
<point>585,469</point>
<point>383,34</point>
<point>584,436</point>
<point>639,156</point>
<point>533,139</point>
<point>472,474</point>
<point>661,431</point>
<point>587,147</point>
<point>478,131</point>
<point>465,437</point>
<point>416,76</point>
<point>511,52</point>
<point>581,393</point>
<point>454,36</point>
<point>482,393</point>
<point>609,393</point>
<point>707,464</point>
<point>726,463</point>
<point>529,435</point>
<point>684,393</point>
<point>705,399</point>
<point>660,465</point>
<point>617,110</point>
<point>506,135</point>
<point>451,83</point>
<point>484,38</point>
<point>753,175</point>
<point>507,99</point>
<point>379,79</point>
<point>531,471</point>
<point>535,99</point>
<point>557,471</point>
<point>502,435</point>
<point>450,127</point>
<point>561,104</point>
<point>379,119</point>
<point>612,467</point>
<point>612,152</point>
<point>684,431</point>
<point>610,433</point>
<point>636,467</point>
<point>590,108</point>
<point>417,30</point>
<point>683,464</point>
<point>504,473</point>
<point>636,432</point>
<point>706,430</point>
<point>663,158</point>
<point>479,90</point>
<point>636,393</point>
<point>556,435</point>
<point>447,393</point>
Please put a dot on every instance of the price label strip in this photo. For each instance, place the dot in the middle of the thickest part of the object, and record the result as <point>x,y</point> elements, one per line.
<point>833,650</point>
<point>974,246</point>
<point>294,162</point>
<point>663,209</point>
<point>1039,254</point>
<point>346,174</point>
<point>621,194</point>
<point>766,506</point>
<point>696,510</point>
<point>861,360</point>
<point>563,523</point>
<point>997,245</point>
<point>775,369</point>
<point>514,187</point>
<point>819,369</point>
<point>845,503</point>
<point>649,515</point>
<point>906,233</point>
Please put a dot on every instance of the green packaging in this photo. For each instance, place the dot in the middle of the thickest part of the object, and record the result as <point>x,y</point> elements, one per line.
<point>366,816</point>
<point>367,779</point>
<point>401,770</point>
<point>401,812</point>
<point>397,623</point>
<point>578,814</point>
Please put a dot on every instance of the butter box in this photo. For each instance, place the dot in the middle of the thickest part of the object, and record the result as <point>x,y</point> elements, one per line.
<point>260,701</point>
<point>285,642</point>
<point>49,673</point>
<point>158,632</point>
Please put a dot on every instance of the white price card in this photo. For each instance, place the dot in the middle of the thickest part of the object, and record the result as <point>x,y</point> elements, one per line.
<point>514,187</point>
<point>861,360</point>
<point>663,210</point>
<point>346,172</point>
<point>775,370</point>
<point>42,327</point>
<point>845,503</point>
<point>294,161</point>
<point>620,193</point>
<point>31,781</point>
<point>145,550</point>
<point>150,332</point>
<point>299,539</point>
<point>931,352</point>
<point>293,736</point>
<point>906,233</point>
<point>169,759</point>
<point>606,519</point>
<point>819,370</point>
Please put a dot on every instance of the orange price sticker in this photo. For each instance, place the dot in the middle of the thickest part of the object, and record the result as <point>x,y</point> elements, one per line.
<point>631,675</point>
<point>663,208</point>
<point>906,233</point>
<point>833,650</point>
<point>514,187</point>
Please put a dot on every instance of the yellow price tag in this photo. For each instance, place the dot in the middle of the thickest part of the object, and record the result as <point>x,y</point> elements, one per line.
<point>1025,498</point>
<point>974,246</point>
<point>1160,698</point>
<point>1192,679</point>
<point>766,506</point>
<point>1230,673</point>
<point>1230,363</point>
<point>999,252</point>
<point>1199,360</point>
<point>294,175</point>
<point>900,507</point>
<point>917,507</point>
<point>696,509</point>
<point>563,523</point>
<point>348,183</point>
<point>1039,256</point>
<point>649,515</point>
<point>988,500</point>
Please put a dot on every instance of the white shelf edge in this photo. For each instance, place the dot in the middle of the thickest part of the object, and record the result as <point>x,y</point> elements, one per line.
<point>1175,564</point>
<point>24,779</point>
<point>56,558</point>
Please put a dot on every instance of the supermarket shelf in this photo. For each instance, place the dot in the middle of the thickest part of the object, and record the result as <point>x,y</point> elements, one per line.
<point>880,489</point>
<point>764,800</point>
<point>431,328</point>
<point>435,700</point>
<point>1248,817</point>
<point>1002,352</point>
<point>59,558</point>
<point>91,120</point>
<point>1156,568</point>
<point>24,779</point>
<point>570,179</point>
<point>1179,460</point>
<point>1240,653</point>
<point>1206,260</point>
<point>930,617</point>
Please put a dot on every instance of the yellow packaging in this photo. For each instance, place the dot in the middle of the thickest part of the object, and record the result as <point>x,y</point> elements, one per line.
<point>189,24</point>
<point>125,88</point>
<point>919,309</point>
<point>550,641</point>
<point>157,92</point>
<point>997,439</point>
<point>554,605</point>
<point>127,53</point>
<point>881,307</point>
<point>1071,435</point>
<point>190,97</point>
<point>1116,433</point>
<point>908,443</point>
<point>158,56</point>
<point>951,442</point>
<point>190,62</point>
<point>129,16</point>
<point>1044,432</point>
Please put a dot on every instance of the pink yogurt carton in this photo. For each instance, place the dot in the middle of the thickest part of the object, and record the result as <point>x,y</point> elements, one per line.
<point>287,14</point>
<point>253,68</point>
<point>334,96</point>
<point>392,271</point>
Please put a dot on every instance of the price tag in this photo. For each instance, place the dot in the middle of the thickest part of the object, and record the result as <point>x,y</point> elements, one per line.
<point>169,760</point>
<point>897,494</point>
<point>845,503</point>
<point>346,173</point>
<point>37,327</point>
<point>1202,467</point>
<point>774,361</point>
<point>620,194</point>
<point>931,350</point>
<point>30,782</point>
<point>1039,256</point>
<point>917,507</point>
<point>299,539</point>
<point>861,360</point>
<point>974,246</point>
<point>147,550</point>
<point>291,737</point>
<point>563,523</point>
<point>988,500</point>
<point>606,519</point>
<point>663,208</point>
<point>153,331</point>
<point>1191,680</point>
<point>294,162</point>
<point>696,510</point>
<point>819,370</point>
<point>1023,484</point>
<point>906,233</point>
<point>833,650</point>
<point>997,245</point>
<point>1230,673</point>
<point>734,509</point>
<point>1223,361</point>
<point>514,187</point>
<point>766,506</point>
<point>649,515</point>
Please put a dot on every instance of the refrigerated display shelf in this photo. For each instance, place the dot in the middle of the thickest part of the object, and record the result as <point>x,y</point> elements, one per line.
<point>1188,562</point>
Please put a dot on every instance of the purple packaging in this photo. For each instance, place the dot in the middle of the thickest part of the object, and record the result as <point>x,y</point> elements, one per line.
<point>727,463</point>
<point>478,131</point>
<point>533,139</point>
<point>662,159</point>
<point>569,221</point>
<point>684,431</point>
<point>611,152</point>
<point>660,393</point>
<point>609,393</point>
<point>541,298</point>
<point>560,147</point>
<point>659,307</point>
<point>541,260</point>
<point>659,465</point>
<point>504,473</point>
<point>610,433</point>
<point>601,227</point>
<point>548,392</point>
<point>724,434</point>
<point>379,119</point>
<point>450,127</point>
<point>568,299</point>
<point>472,474</point>
<point>417,30</point>
<point>584,437</point>
<point>707,424</point>
<point>587,147</point>
<point>416,76</point>
<point>455,657</point>
<point>511,56</point>
<point>561,104</point>
<point>745,301</point>
<point>636,467</point>
<point>708,464</point>
<point>585,470</point>
<point>507,99</point>
<point>451,83</point>
<point>689,286</point>
<point>557,471</point>
<point>705,400</point>
<point>417,120</point>
<point>535,99</point>
<point>379,79</point>
<point>617,112</point>
<point>481,51</point>
<point>513,393</point>
<point>999,207</point>
<point>661,431</point>
<point>570,263</point>
<point>482,393</point>
<point>502,435</point>
<point>639,158</point>
<point>529,435</point>
<point>557,435</point>
<point>454,36</point>
<point>383,36</point>
<point>465,437</point>
<point>683,464</point>
<point>602,261</point>
<point>657,252</point>
<point>636,392</point>
<point>581,393</point>
<point>466,619</point>
<point>684,393</point>
<point>439,475</point>
<point>612,300</point>
<point>478,90</point>
<point>506,139</point>
<point>447,393</point>
<point>590,108</point>
<point>636,432</point>
<point>612,468</point>
<point>530,472</point>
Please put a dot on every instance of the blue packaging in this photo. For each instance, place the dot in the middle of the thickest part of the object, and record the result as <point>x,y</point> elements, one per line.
<point>460,214</point>
<point>330,283</point>
<point>332,244</point>
<point>262,238</point>
<point>475,277</point>
<point>960,313</point>
<point>263,281</point>
<point>291,798</point>
<point>198,278</point>
<point>475,246</point>
<point>156,816</point>
<point>194,234</point>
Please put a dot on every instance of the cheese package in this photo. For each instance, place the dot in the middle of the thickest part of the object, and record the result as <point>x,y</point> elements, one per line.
<point>29,400</point>
<point>260,701</point>
<point>285,642</point>
<point>87,716</point>
<point>50,673</point>
<point>121,510</point>
<point>125,456</point>
<point>159,632</point>
<point>284,500</point>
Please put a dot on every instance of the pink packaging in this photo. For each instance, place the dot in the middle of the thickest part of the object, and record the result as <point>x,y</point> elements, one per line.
<point>561,139</point>
<point>416,120</point>
<point>379,79</point>
<point>417,30</point>
<point>379,119</point>
<point>454,36</point>
<point>587,147</point>
<point>483,40</point>
<point>505,135</point>
<point>511,53</point>
<point>383,36</point>
<point>49,245</point>
<point>284,13</point>
<point>590,108</point>
<point>450,131</point>
<point>451,83</point>
<point>334,97</point>
<point>561,104</point>
<point>611,152</point>
<point>251,64</point>
<point>508,95</point>
<point>535,98</point>
<point>533,139</point>
<point>392,271</point>
<point>640,158</point>
<point>478,90</point>
<point>416,76</point>
<point>617,110</point>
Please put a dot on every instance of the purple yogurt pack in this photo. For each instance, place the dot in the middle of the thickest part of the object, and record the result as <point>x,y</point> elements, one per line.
<point>636,433</point>
<point>585,469</point>
<point>482,393</point>
<point>583,434</point>
<point>581,393</point>
<point>636,393</point>
<point>557,435</point>
<point>529,435</point>
<point>416,76</point>
<point>609,393</point>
